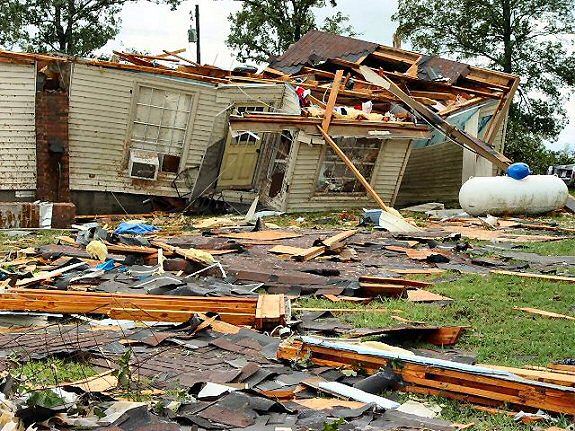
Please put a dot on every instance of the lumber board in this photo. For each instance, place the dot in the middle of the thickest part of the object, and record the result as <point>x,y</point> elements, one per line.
<point>270,308</point>
<point>537,375</point>
<point>397,281</point>
<point>287,249</point>
<point>501,112</point>
<point>532,275</point>
<point>379,289</point>
<point>332,100</point>
<point>420,295</point>
<point>310,253</point>
<point>272,313</point>
<point>336,239</point>
<point>174,316</point>
<point>51,274</point>
<point>544,313</point>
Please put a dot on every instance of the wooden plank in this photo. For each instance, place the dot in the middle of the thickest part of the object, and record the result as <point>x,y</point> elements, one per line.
<point>332,100</point>
<point>51,274</point>
<point>338,238</point>
<point>500,112</point>
<point>544,313</point>
<point>453,381</point>
<point>102,303</point>
<point>347,310</point>
<point>398,281</point>
<point>419,295</point>
<point>373,290</point>
<point>270,308</point>
<point>531,275</point>
<point>174,316</point>
<point>540,376</point>
<point>310,253</point>
<point>287,249</point>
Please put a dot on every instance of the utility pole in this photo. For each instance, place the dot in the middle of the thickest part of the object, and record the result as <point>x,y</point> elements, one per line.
<point>194,33</point>
<point>198,55</point>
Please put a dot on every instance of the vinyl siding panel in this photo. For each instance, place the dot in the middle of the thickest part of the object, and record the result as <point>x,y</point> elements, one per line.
<point>432,174</point>
<point>17,126</point>
<point>301,194</point>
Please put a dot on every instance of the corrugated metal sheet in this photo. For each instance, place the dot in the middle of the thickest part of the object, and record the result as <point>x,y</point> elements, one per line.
<point>17,126</point>
<point>301,193</point>
<point>317,46</point>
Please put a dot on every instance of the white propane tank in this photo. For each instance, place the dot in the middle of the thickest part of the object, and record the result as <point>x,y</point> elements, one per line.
<point>534,194</point>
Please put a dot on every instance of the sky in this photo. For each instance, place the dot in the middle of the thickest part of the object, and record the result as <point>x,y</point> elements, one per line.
<point>153,28</point>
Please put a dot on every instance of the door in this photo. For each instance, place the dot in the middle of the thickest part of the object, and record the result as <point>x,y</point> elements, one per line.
<point>241,156</point>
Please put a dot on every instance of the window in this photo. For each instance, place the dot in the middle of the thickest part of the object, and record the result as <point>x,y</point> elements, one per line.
<point>280,161</point>
<point>335,177</point>
<point>160,124</point>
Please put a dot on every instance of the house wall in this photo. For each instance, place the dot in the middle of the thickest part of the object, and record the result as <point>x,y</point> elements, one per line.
<point>17,130</point>
<point>302,181</point>
<point>436,173</point>
<point>102,105</point>
<point>432,174</point>
<point>100,118</point>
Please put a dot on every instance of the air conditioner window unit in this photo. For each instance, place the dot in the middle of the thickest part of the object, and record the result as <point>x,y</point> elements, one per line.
<point>143,165</point>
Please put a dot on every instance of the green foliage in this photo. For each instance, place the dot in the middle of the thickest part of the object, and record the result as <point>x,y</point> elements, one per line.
<point>47,399</point>
<point>52,371</point>
<point>333,426</point>
<point>266,28</point>
<point>530,38</point>
<point>124,371</point>
<point>75,27</point>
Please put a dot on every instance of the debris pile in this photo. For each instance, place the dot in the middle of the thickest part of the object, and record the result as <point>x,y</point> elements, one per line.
<point>202,329</point>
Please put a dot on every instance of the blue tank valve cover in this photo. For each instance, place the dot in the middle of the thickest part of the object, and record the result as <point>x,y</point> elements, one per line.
<point>518,171</point>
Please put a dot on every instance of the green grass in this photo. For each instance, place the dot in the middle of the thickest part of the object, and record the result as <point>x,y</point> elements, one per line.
<point>497,334</point>
<point>564,247</point>
<point>35,239</point>
<point>52,371</point>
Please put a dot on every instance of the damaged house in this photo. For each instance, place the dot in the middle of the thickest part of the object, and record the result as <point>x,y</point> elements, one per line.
<point>112,135</point>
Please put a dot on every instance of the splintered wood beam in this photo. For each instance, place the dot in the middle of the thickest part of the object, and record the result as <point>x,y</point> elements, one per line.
<point>434,376</point>
<point>332,100</point>
<point>458,136</point>
<point>500,113</point>
<point>357,174</point>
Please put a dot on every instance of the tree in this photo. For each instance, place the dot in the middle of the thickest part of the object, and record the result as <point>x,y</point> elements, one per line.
<point>266,28</point>
<point>530,38</point>
<point>74,27</point>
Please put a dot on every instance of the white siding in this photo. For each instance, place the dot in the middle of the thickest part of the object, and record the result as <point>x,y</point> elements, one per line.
<point>385,179</point>
<point>17,126</point>
<point>101,113</point>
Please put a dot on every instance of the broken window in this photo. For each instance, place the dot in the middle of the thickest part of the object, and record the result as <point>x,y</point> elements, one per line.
<point>280,163</point>
<point>247,138</point>
<point>334,175</point>
<point>160,124</point>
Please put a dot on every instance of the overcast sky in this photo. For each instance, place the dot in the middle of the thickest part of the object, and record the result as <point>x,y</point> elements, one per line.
<point>150,27</point>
